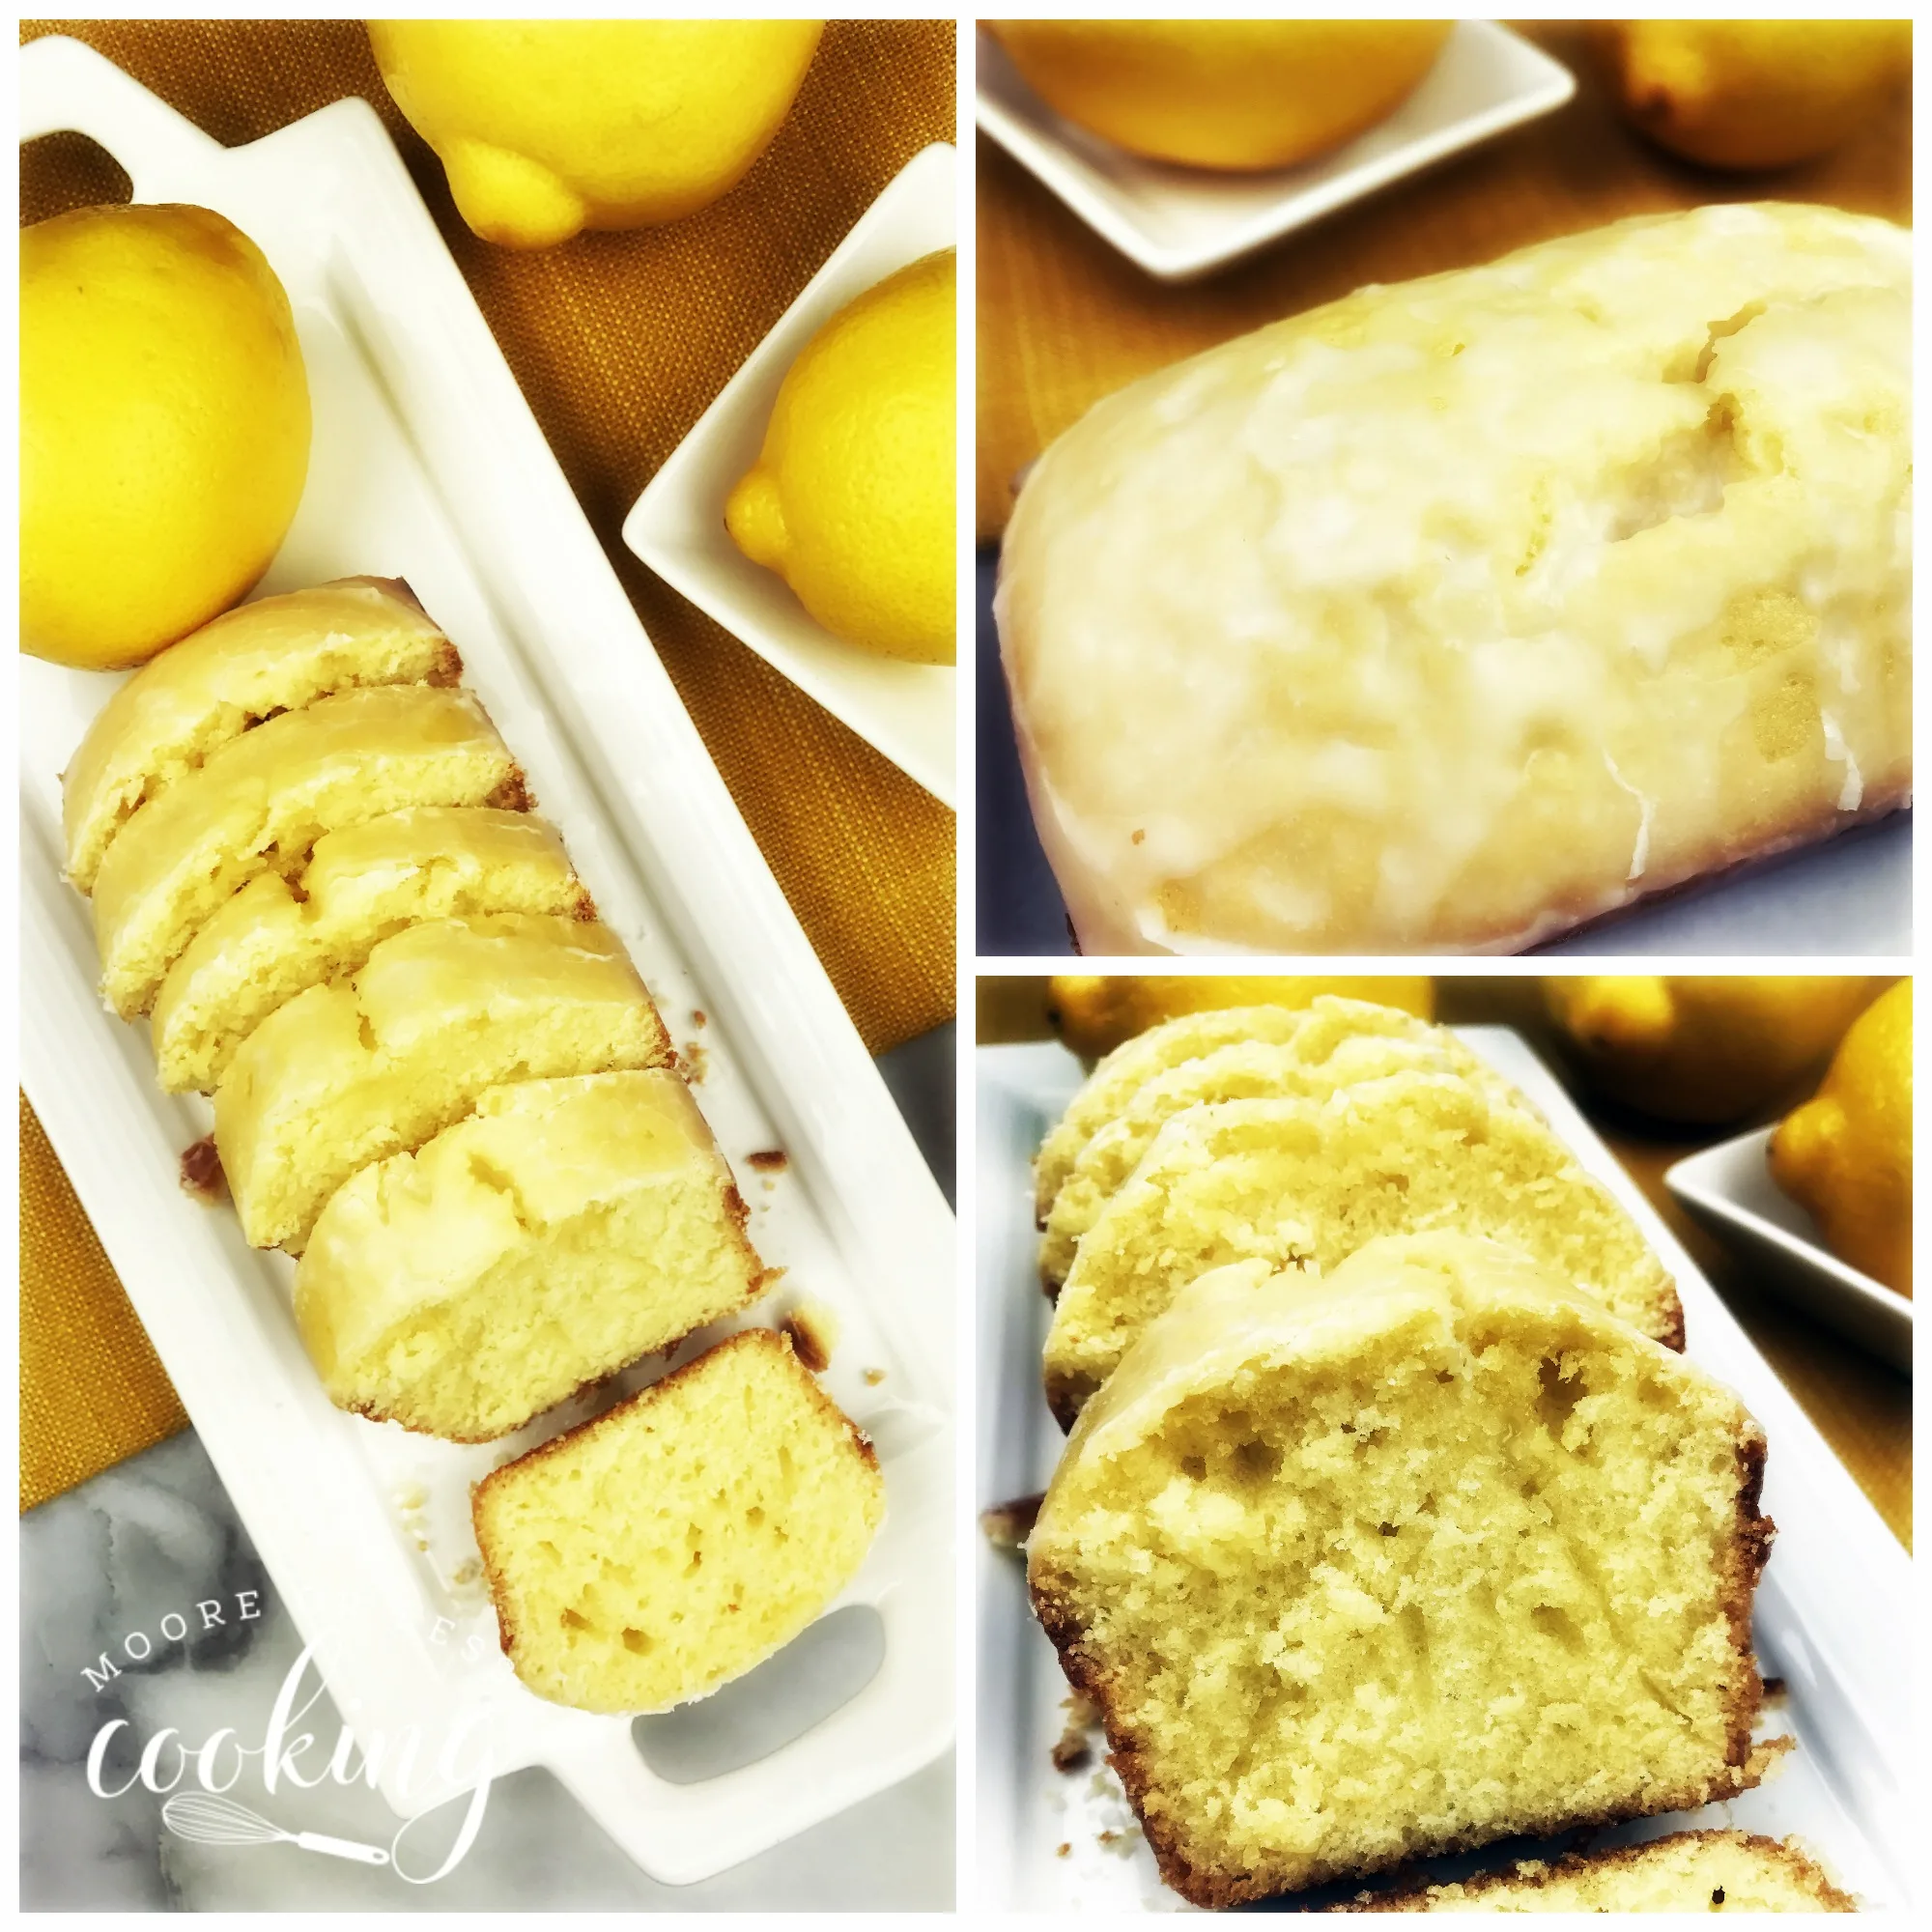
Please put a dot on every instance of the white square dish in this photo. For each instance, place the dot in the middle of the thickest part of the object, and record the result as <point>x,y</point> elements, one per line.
<point>677,527</point>
<point>428,464</point>
<point>1833,1614</point>
<point>1179,223</point>
<point>1730,1188</point>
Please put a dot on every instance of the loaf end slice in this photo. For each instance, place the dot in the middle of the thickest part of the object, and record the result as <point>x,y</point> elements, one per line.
<point>653,1555</point>
<point>277,654</point>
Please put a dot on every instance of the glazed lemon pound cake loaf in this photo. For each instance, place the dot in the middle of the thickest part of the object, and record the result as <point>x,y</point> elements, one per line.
<point>1307,1183</point>
<point>565,1229</point>
<point>1457,613</point>
<point>1412,1557</point>
<point>278,936</point>
<point>1339,1050</point>
<point>274,655</point>
<point>260,801</point>
<point>1688,1871</point>
<point>648,1558</point>
<point>358,1070</point>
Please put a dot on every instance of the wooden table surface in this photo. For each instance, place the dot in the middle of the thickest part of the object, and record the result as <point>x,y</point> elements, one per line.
<point>1861,1407</point>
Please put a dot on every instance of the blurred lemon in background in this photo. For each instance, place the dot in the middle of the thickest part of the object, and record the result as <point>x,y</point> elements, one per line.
<point>1235,94</point>
<point>1846,1153</point>
<point>1755,94</point>
<point>164,428</point>
<point>1700,1049</point>
<point>1094,1014</point>
<point>549,127</point>
<point>851,499</point>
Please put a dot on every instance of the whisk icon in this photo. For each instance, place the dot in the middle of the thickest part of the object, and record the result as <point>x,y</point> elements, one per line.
<point>204,1819</point>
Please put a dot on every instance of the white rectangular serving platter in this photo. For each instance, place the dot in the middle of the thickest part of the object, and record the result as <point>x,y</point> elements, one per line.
<point>1730,1188</point>
<point>677,525</point>
<point>428,464</point>
<point>1180,223</point>
<point>1833,1611</point>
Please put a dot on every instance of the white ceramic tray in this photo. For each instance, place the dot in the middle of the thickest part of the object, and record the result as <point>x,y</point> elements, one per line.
<point>1833,1613</point>
<point>1179,223</point>
<point>1730,1188</point>
<point>428,464</point>
<point>677,526</point>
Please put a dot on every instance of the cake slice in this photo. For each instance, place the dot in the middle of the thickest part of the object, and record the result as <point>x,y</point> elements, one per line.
<point>649,1556</point>
<point>276,937</point>
<point>1122,1073</point>
<point>263,799</point>
<point>1308,1182</point>
<point>1409,1558</point>
<point>563,1230</point>
<point>1688,1871</point>
<point>1342,1041</point>
<point>355,1070</point>
<point>274,655</point>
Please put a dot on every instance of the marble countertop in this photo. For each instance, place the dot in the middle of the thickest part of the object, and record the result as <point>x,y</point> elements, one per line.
<point>155,1547</point>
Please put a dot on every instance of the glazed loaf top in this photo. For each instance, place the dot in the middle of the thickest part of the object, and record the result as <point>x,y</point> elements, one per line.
<point>1457,612</point>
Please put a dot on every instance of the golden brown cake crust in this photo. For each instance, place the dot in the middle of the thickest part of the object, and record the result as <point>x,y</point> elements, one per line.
<point>1411,1894</point>
<point>766,1339</point>
<point>1215,1890</point>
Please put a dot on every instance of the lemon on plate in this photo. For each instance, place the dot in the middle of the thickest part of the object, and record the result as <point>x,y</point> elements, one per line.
<point>1701,1048</point>
<point>164,428</point>
<point>1846,1153</point>
<point>1755,94</point>
<point>1235,94</point>
<point>545,128</point>
<point>1093,1012</point>
<point>851,499</point>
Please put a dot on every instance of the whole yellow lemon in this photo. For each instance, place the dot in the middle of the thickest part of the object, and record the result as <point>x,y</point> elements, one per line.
<point>851,499</point>
<point>1094,1013</point>
<point>164,428</point>
<point>1224,94</point>
<point>549,127</point>
<point>1701,1049</point>
<point>1846,1153</point>
<point>1755,94</point>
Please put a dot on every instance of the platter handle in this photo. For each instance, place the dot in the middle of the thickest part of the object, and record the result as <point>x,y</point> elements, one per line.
<point>65,87</point>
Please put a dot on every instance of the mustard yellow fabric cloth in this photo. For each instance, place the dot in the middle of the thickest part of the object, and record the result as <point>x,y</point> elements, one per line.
<point>1065,320</point>
<point>91,1389</point>
<point>620,342</point>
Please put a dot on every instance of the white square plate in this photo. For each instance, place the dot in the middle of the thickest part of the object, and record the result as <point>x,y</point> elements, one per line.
<point>1177,223</point>
<point>1730,1188</point>
<point>428,464</point>
<point>1833,1612</point>
<point>677,526</point>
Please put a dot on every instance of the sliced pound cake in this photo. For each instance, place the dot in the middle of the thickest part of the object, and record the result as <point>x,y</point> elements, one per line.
<point>654,1554</point>
<point>276,655</point>
<point>1307,1183</point>
<point>358,1070</point>
<point>1688,1871</point>
<point>276,936</point>
<point>1116,1079</point>
<point>1341,1042</point>
<point>262,800</point>
<point>563,1230</point>
<point>1163,1048</point>
<point>1426,1553</point>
